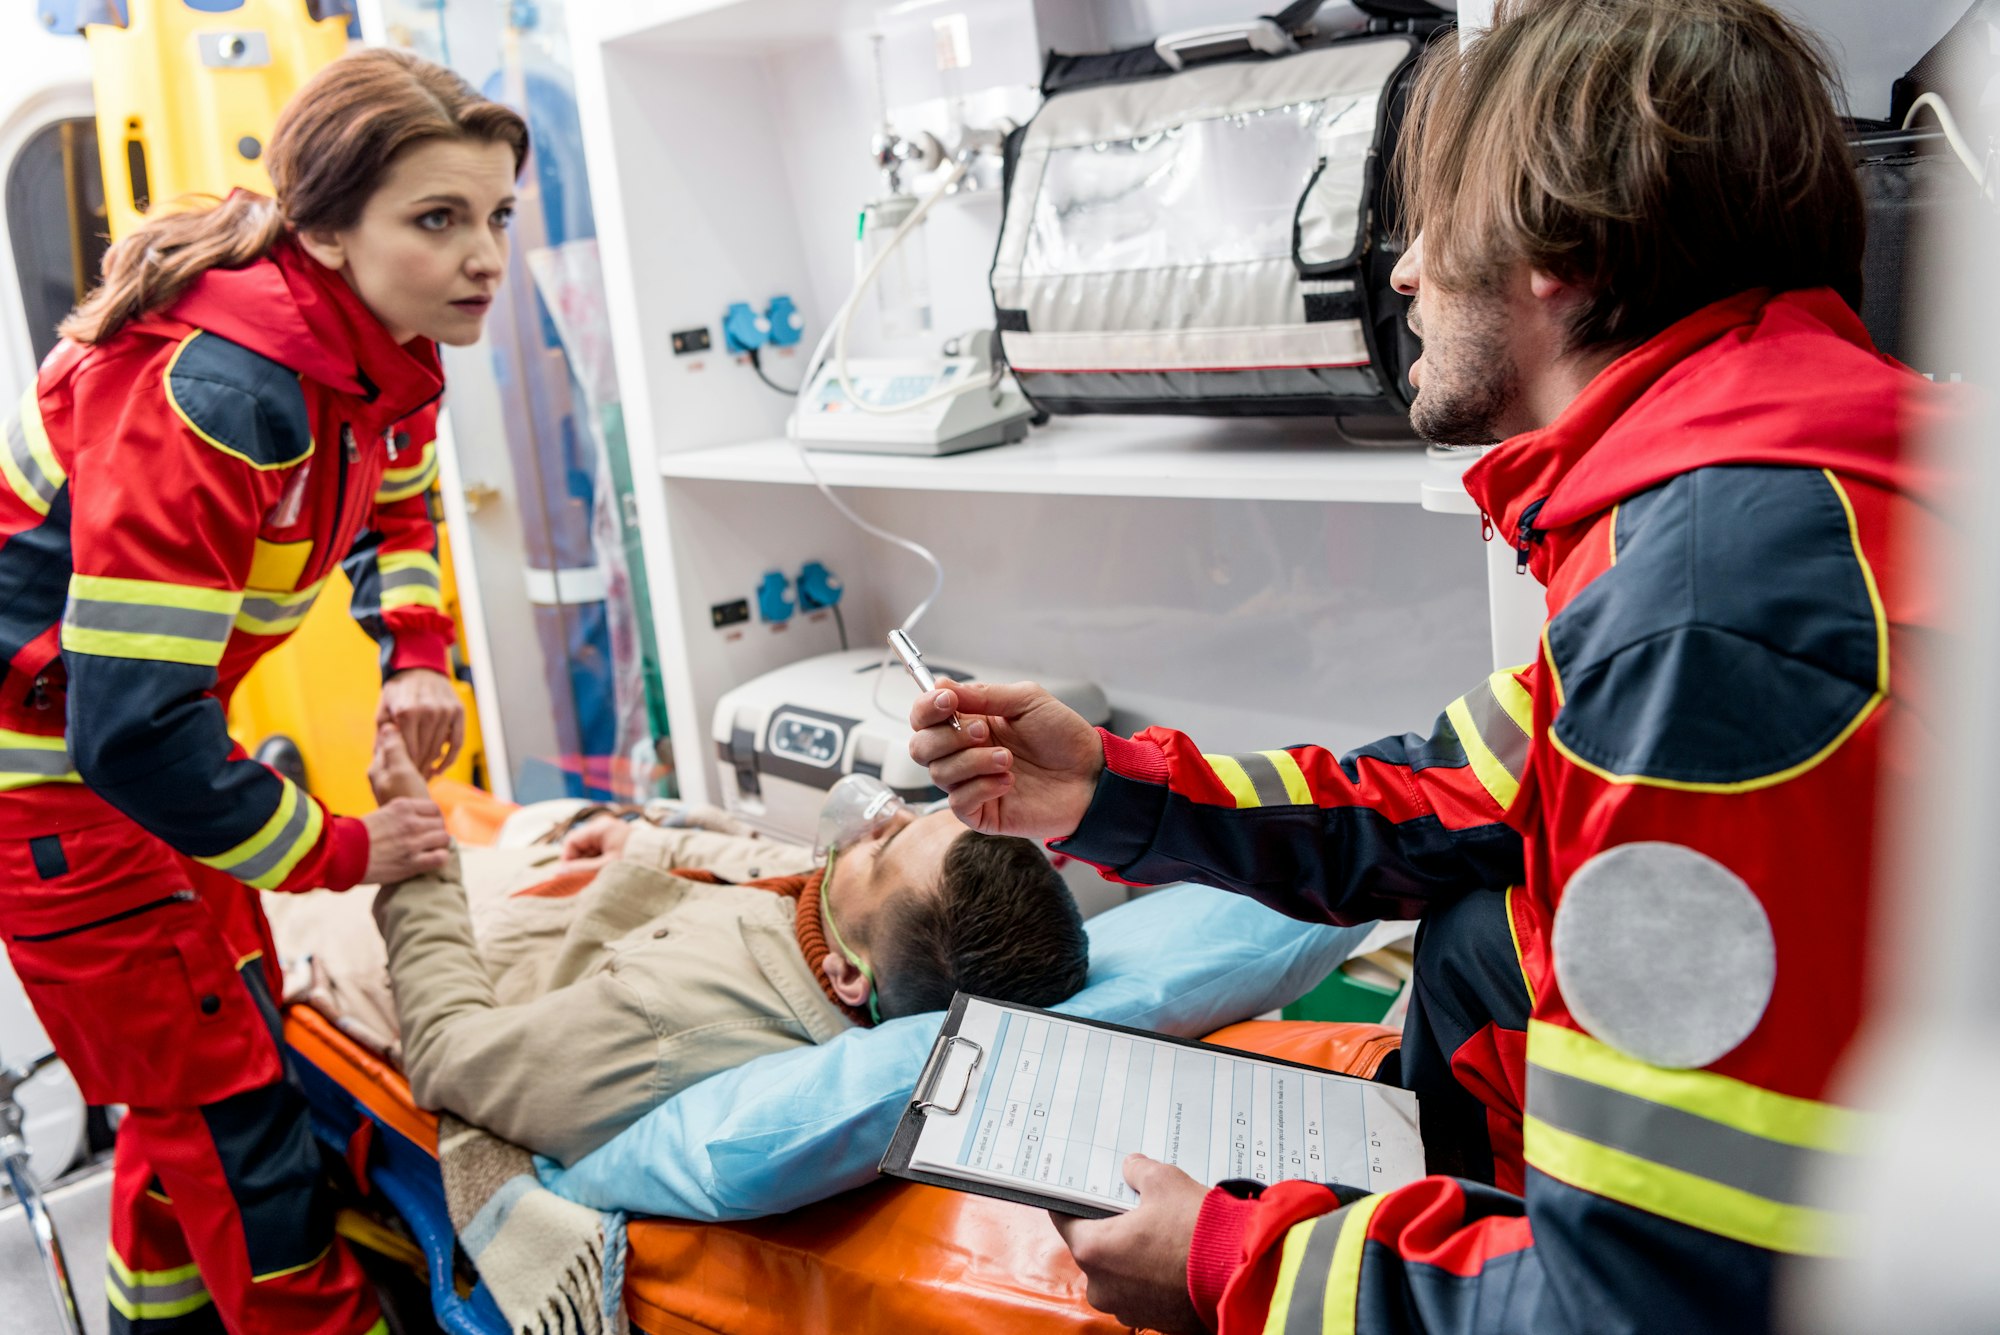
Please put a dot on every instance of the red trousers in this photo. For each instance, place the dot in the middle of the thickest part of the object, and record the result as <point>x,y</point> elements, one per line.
<point>154,976</point>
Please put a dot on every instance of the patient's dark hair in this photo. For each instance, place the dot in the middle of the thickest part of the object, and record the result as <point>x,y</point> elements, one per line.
<point>1001,924</point>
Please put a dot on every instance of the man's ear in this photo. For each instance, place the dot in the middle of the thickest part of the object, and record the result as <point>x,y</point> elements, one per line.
<point>849,983</point>
<point>324,246</point>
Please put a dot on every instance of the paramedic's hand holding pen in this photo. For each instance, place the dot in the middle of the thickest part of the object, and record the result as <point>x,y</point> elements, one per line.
<point>1022,762</point>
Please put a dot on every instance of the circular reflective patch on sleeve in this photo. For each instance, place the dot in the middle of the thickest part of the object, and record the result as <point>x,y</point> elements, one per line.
<point>1664,953</point>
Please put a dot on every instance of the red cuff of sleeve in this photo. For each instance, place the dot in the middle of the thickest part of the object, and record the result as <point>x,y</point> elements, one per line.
<point>420,649</point>
<point>347,857</point>
<point>1216,1250</point>
<point>1133,758</point>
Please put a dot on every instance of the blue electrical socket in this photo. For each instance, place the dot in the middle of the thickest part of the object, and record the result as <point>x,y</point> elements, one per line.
<point>743,330</point>
<point>785,323</point>
<point>774,598</point>
<point>818,587</point>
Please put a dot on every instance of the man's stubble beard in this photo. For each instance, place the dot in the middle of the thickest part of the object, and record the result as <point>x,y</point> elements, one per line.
<point>1470,381</point>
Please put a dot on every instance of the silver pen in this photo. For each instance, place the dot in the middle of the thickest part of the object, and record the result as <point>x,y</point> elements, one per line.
<point>913,663</point>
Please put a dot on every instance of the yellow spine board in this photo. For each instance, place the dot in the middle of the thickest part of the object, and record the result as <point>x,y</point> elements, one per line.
<point>191,98</point>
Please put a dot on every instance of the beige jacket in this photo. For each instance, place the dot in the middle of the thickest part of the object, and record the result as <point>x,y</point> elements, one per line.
<point>657,982</point>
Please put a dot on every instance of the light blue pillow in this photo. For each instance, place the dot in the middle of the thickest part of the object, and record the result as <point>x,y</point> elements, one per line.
<point>797,1127</point>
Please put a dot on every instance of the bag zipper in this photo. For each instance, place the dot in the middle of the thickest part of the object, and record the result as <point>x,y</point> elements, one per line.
<point>177,897</point>
<point>1526,535</point>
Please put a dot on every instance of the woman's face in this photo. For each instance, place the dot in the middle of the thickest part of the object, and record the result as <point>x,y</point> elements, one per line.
<point>430,248</point>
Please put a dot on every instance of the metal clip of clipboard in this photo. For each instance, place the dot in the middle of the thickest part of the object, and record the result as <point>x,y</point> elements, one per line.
<point>934,1068</point>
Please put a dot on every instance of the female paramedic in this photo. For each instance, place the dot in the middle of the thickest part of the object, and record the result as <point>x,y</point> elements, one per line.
<point>246,402</point>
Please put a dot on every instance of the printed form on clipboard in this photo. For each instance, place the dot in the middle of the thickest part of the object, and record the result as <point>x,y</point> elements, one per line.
<point>1041,1108</point>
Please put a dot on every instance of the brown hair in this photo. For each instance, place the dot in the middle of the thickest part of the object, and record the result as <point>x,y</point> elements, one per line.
<point>333,144</point>
<point>1661,154</point>
<point>1000,924</point>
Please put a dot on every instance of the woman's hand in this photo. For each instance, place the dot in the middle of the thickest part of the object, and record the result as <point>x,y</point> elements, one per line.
<point>426,710</point>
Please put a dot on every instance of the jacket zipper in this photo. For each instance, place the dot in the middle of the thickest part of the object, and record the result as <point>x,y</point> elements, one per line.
<point>1526,535</point>
<point>177,897</point>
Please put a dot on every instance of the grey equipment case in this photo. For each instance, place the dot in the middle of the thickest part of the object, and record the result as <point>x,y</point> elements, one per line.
<point>1203,228</point>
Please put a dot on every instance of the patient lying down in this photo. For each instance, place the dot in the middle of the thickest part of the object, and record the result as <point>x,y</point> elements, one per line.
<point>664,977</point>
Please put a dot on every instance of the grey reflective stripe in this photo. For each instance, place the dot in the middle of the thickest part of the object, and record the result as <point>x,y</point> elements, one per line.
<point>154,1294</point>
<point>1674,1139</point>
<point>150,619</point>
<point>277,609</point>
<point>402,579</point>
<point>271,854</point>
<point>1264,777</point>
<point>1307,1313</point>
<point>45,486</point>
<point>24,760</point>
<point>1497,728</point>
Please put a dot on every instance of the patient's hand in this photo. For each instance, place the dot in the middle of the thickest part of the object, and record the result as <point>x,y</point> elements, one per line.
<point>406,837</point>
<point>600,839</point>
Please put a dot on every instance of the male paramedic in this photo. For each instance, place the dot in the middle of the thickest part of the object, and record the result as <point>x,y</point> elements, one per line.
<point>668,974</point>
<point>1637,238</point>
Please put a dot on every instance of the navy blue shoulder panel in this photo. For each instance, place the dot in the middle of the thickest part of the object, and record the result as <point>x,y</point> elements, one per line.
<point>1735,637</point>
<point>239,401</point>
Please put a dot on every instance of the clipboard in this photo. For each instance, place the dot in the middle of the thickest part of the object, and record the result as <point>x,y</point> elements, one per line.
<point>941,1070</point>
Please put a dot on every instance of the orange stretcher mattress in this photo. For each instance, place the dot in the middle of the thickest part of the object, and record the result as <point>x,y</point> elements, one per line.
<point>894,1255</point>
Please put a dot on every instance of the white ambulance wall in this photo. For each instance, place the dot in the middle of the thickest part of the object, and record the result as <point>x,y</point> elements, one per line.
<point>1246,624</point>
<point>45,78</point>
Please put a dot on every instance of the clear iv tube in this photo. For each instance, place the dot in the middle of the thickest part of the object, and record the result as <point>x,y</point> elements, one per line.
<point>841,325</point>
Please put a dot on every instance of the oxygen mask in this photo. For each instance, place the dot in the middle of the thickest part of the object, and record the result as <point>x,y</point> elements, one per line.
<point>855,808</point>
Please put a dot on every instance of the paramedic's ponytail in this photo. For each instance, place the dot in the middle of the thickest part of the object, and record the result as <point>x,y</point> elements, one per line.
<point>333,145</point>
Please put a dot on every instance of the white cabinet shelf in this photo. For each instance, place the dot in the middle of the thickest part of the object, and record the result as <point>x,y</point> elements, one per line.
<point>1198,458</point>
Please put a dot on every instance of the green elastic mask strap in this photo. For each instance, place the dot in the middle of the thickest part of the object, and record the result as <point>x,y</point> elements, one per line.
<point>826,916</point>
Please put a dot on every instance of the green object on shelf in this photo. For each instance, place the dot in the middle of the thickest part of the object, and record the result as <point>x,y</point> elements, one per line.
<point>1343,998</point>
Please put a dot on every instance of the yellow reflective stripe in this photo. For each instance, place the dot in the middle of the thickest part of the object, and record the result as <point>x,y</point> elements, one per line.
<point>275,612</point>
<point>410,579</point>
<point>399,484</point>
<point>178,1275</point>
<point>1294,778</point>
<point>1230,770</point>
<point>113,617</point>
<point>140,1310</point>
<point>267,857</point>
<point>153,1295</point>
<point>38,437</point>
<point>1720,1098</point>
<point>28,460</point>
<point>1343,1279</point>
<point>1611,530</point>
<point>1289,1259</point>
<point>27,759</point>
<point>1513,697</point>
<point>1501,785</point>
<point>153,593</point>
<point>1695,1201</point>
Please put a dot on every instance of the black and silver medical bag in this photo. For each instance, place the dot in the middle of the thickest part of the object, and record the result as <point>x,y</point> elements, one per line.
<point>1202,226</point>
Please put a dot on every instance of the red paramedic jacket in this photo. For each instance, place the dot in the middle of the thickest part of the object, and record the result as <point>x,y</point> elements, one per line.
<point>176,498</point>
<point>1725,651</point>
